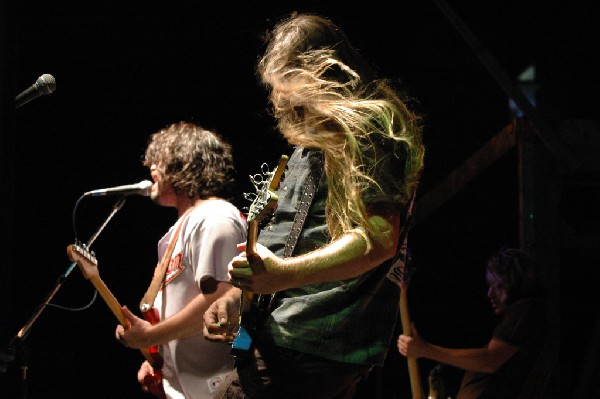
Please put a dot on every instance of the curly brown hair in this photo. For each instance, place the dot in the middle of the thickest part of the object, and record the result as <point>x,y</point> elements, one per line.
<point>195,161</point>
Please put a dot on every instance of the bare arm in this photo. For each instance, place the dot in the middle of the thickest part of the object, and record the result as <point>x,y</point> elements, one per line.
<point>344,258</point>
<point>185,323</point>
<point>484,360</point>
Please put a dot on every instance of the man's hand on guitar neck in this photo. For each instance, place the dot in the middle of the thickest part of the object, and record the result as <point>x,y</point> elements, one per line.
<point>222,317</point>
<point>137,334</point>
<point>412,345</point>
<point>260,272</point>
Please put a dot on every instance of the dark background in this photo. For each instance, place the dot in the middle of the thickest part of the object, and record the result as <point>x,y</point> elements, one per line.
<point>126,69</point>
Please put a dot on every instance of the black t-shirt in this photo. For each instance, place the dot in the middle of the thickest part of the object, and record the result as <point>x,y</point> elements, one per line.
<point>524,324</point>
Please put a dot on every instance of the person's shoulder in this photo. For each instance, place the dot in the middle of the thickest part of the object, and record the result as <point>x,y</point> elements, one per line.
<point>529,304</point>
<point>531,311</point>
<point>215,210</point>
<point>214,207</point>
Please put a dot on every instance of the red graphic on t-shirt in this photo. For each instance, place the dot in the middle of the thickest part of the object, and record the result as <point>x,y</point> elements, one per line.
<point>175,268</point>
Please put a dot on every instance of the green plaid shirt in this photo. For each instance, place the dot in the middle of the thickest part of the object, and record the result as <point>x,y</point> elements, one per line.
<point>349,321</point>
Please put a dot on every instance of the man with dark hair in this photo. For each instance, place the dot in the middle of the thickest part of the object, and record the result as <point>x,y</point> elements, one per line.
<point>519,354</point>
<point>192,169</point>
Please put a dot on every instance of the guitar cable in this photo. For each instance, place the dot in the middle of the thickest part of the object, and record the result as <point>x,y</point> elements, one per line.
<point>118,205</point>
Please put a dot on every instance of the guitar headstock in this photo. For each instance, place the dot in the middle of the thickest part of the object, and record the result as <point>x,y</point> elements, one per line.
<point>85,259</point>
<point>265,198</point>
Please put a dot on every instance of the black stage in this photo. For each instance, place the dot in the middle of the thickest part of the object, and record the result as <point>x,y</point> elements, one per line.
<point>126,69</point>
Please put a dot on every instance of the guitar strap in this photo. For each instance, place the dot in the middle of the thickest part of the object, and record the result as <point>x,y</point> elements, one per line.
<point>397,272</point>
<point>161,270</point>
<point>308,194</point>
<point>312,182</point>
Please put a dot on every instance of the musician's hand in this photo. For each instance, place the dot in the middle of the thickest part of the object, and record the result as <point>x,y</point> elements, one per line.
<point>145,369</point>
<point>137,336</point>
<point>221,318</point>
<point>411,346</point>
<point>262,272</point>
<point>120,334</point>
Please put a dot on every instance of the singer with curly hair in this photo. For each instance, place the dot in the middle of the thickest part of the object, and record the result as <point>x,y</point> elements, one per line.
<point>192,170</point>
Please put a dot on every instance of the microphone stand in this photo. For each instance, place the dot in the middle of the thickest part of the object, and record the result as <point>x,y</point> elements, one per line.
<point>15,346</point>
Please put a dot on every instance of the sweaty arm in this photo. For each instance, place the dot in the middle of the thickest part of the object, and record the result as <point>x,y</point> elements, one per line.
<point>351,255</point>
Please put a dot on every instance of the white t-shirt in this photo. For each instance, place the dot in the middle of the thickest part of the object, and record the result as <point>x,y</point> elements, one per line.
<point>194,367</point>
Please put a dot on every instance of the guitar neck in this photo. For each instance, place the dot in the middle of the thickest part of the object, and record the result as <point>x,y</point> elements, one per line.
<point>413,366</point>
<point>110,300</point>
<point>250,249</point>
<point>88,265</point>
<point>116,309</point>
<point>252,237</point>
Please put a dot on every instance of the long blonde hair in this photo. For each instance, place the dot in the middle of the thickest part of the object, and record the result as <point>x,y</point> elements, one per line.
<point>326,96</point>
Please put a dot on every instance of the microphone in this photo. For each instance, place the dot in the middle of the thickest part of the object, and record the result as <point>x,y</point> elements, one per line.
<point>45,84</point>
<point>141,188</point>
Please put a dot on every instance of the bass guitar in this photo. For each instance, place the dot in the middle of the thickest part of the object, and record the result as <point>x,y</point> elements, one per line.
<point>263,202</point>
<point>88,264</point>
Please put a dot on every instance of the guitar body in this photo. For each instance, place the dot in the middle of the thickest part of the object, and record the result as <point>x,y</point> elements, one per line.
<point>437,388</point>
<point>254,307</point>
<point>242,342</point>
<point>154,381</point>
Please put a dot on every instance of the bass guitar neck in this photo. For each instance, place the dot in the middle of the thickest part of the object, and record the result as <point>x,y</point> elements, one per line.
<point>413,366</point>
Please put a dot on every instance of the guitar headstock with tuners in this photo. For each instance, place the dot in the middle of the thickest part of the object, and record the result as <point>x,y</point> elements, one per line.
<point>88,264</point>
<point>264,199</point>
<point>85,259</point>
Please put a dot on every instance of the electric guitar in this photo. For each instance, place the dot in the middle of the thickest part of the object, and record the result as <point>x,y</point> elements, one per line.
<point>86,260</point>
<point>263,202</point>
